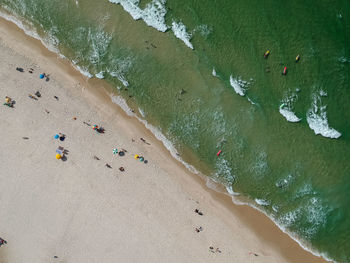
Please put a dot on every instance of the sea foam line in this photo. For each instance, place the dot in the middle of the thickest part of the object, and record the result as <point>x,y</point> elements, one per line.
<point>302,244</point>
<point>180,32</point>
<point>235,199</point>
<point>121,102</point>
<point>153,14</point>
<point>30,31</point>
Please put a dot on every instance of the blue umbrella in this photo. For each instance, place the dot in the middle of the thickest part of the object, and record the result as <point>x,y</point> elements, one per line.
<point>115,151</point>
<point>41,76</point>
<point>57,136</point>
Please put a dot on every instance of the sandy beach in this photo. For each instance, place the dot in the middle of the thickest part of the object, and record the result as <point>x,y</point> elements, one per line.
<point>79,210</point>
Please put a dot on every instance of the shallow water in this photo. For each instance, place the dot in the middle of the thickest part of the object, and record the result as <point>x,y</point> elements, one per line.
<point>299,178</point>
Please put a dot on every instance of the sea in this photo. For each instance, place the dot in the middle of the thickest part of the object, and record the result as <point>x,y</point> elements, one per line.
<point>195,74</point>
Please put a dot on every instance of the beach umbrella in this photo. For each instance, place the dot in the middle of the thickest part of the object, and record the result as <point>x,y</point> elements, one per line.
<point>141,159</point>
<point>136,156</point>
<point>41,76</point>
<point>115,151</point>
<point>58,156</point>
<point>95,127</point>
<point>8,100</point>
<point>56,136</point>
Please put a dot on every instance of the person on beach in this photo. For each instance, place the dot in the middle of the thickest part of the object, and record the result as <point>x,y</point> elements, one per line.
<point>121,169</point>
<point>108,166</point>
<point>199,229</point>
<point>32,97</point>
<point>62,136</point>
<point>2,241</point>
<point>198,212</point>
<point>144,141</point>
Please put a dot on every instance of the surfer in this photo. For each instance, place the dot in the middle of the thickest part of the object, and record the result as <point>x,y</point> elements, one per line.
<point>284,71</point>
<point>267,53</point>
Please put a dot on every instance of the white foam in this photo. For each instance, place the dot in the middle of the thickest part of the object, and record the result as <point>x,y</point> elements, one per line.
<point>180,32</point>
<point>252,102</point>
<point>157,133</point>
<point>229,189</point>
<point>120,76</point>
<point>83,71</point>
<point>275,208</point>
<point>317,119</point>
<point>100,75</point>
<point>288,219</point>
<point>153,14</point>
<point>323,93</point>
<point>122,103</point>
<point>99,41</point>
<point>344,60</point>
<point>49,42</point>
<point>213,72</point>
<point>262,202</point>
<point>30,31</point>
<point>236,86</point>
<point>203,30</point>
<point>118,69</point>
<point>289,115</point>
<point>142,113</point>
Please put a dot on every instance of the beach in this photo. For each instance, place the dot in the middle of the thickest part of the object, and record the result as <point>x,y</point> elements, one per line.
<point>79,210</point>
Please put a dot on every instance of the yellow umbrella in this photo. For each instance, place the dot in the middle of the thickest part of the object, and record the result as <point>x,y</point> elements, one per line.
<point>58,156</point>
<point>8,99</point>
<point>136,156</point>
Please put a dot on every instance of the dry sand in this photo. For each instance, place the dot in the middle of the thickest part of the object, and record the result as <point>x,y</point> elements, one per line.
<point>81,211</point>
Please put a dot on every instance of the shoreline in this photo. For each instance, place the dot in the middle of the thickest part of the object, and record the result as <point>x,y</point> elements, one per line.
<point>262,226</point>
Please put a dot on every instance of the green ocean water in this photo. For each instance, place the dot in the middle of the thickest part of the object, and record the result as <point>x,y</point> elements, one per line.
<point>302,180</point>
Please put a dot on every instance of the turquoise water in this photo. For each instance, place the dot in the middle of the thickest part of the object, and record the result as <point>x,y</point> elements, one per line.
<point>299,178</point>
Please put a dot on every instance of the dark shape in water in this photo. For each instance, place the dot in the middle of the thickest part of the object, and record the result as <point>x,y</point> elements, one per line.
<point>297,58</point>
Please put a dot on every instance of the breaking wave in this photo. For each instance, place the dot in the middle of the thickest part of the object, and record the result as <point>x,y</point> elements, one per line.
<point>317,119</point>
